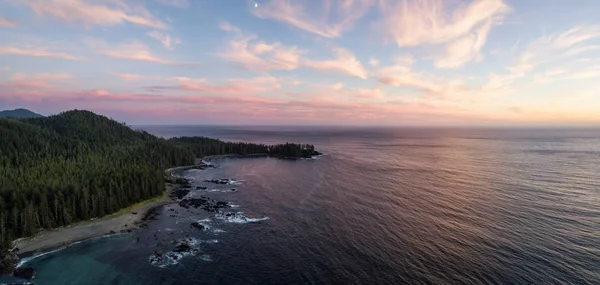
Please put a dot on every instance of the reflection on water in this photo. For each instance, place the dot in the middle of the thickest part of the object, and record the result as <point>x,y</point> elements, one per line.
<point>384,206</point>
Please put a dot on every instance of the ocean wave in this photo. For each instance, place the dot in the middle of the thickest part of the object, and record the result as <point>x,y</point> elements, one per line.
<point>186,247</point>
<point>206,257</point>
<point>238,218</point>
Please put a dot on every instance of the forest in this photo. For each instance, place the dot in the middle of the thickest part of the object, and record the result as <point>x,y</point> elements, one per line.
<point>78,165</point>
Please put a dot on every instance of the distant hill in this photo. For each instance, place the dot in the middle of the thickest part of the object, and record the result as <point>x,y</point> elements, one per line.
<point>19,113</point>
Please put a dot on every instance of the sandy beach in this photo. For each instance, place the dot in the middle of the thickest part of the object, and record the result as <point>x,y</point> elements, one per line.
<point>56,238</point>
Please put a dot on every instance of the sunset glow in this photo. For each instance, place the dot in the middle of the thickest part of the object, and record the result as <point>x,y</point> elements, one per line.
<point>346,62</point>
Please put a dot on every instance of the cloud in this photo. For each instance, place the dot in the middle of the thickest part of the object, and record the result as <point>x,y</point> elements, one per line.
<point>38,52</point>
<point>34,81</point>
<point>259,56</point>
<point>429,85</point>
<point>168,42</point>
<point>226,26</point>
<point>463,30</point>
<point>404,60</point>
<point>330,20</point>
<point>175,3</point>
<point>464,49</point>
<point>6,68</point>
<point>131,51</point>
<point>345,63</point>
<point>414,23</point>
<point>546,50</point>
<point>234,85</point>
<point>92,13</point>
<point>374,62</point>
<point>549,75</point>
<point>7,23</point>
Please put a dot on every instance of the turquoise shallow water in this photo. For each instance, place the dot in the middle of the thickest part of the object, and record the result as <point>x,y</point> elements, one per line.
<point>382,207</point>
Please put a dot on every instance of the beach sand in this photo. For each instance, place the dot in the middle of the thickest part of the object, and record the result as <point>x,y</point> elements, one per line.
<point>56,238</point>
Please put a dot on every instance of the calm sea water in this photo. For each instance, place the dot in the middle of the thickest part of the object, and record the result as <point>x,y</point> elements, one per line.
<point>384,206</point>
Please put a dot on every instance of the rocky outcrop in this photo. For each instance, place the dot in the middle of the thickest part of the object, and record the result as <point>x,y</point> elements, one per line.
<point>204,203</point>
<point>7,263</point>
<point>25,273</point>
<point>198,225</point>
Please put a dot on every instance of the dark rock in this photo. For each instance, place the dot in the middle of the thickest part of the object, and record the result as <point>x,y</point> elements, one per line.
<point>112,232</point>
<point>180,193</point>
<point>198,226</point>
<point>184,203</point>
<point>201,187</point>
<point>183,247</point>
<point>7,263</point>
<point>25,273</point>
<point>135,213</point>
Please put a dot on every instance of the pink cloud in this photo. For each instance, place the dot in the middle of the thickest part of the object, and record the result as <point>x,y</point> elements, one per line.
<point>167,41</point>
<point>131,51</point>
<point>413,23</point>
<point>37,52</point>
<point>251,85</point>
<point>7,23</point>
<point>345,63</point>
<point>21,81</point>
<point>402,76</point>
<point>101,12</point>
<point>261,57</point>
<point>329,20</point>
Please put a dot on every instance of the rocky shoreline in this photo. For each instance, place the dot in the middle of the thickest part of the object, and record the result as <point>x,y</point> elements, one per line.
<point>54,239</point>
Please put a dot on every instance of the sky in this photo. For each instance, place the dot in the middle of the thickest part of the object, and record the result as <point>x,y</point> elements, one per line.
<point>305,62</point>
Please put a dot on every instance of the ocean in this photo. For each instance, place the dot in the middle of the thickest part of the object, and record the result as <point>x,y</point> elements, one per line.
<point>383,206</point>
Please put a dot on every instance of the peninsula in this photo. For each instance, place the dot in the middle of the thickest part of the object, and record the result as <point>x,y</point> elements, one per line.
<point>77,166</point>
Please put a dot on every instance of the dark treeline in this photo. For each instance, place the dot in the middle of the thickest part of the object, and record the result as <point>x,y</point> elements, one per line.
<point>78,165</point>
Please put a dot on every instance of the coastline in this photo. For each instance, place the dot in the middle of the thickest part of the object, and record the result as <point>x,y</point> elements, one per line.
<point>116,223</point>
<point>112,224</point>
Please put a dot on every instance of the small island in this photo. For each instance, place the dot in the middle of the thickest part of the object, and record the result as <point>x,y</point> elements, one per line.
<point>77,166</point>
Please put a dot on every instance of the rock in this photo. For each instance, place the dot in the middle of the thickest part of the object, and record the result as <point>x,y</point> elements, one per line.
<point>25,273</point>
<point>197,225</point>
<point>183,247</point>
<point>234,190</point>
<point>112,232</point>
<point>135,213</point>
<point>7,263</point>
<point>201,187</point>
<point>180,193</point>
<point>184,203</point>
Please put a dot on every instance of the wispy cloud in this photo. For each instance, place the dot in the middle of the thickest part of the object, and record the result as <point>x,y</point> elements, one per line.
<point>234,85</point>
<point>20,81</point>
<point>413,23</point>
<point>6,68</point>
<point>428,85</point>
<point>175,3</point>
<point>329,20</point>
<point>259,56</point>
<point>7,23</point>
<point>133,50</point>
<point>464,49</point>
<point>99,12</point>
<point>38,52</point>
<point>463,30</point>
<point>345,63</point>
<point>167,41</point>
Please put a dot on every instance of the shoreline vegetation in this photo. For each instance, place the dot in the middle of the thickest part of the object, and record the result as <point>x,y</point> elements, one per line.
<point>78,175</point>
